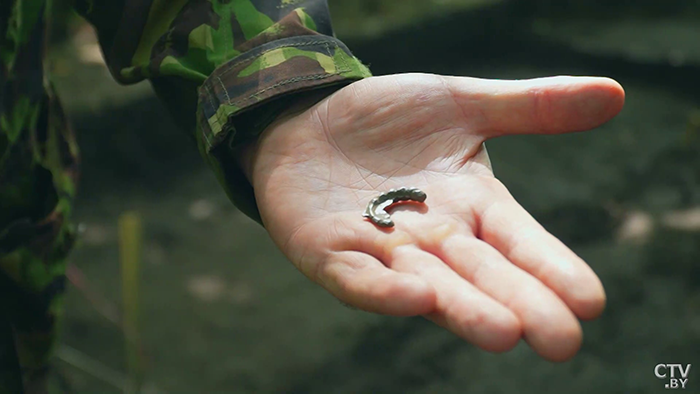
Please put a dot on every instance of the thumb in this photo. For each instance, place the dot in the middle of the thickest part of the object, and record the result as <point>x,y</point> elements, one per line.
<point>537,106</point>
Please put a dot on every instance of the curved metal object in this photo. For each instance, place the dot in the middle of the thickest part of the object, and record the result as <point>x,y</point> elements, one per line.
<point>376,209</point>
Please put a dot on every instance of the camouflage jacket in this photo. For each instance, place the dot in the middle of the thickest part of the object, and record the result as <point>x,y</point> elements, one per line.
<point>227,68</point>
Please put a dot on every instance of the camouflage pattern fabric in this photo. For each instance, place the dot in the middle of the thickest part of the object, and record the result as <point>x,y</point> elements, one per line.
<point>228,67</point>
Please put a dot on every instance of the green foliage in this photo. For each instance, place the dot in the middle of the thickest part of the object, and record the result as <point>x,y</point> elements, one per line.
<point>130,240</point>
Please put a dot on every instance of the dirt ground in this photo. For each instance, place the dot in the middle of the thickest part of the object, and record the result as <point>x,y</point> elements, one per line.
<point>224,312</point>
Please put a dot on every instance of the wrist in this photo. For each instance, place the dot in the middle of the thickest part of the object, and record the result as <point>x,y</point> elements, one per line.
<point>247,153</point>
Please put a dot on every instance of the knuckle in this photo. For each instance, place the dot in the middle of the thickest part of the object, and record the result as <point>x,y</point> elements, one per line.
<point>542,108</point>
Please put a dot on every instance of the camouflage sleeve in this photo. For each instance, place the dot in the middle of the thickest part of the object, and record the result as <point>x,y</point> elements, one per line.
<point>225,67</point>
<point>38,177</point>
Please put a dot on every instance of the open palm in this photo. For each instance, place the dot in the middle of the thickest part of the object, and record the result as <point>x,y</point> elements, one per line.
<point>471,259</point>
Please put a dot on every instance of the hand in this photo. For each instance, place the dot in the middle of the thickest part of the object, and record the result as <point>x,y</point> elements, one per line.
<point>471,259</point>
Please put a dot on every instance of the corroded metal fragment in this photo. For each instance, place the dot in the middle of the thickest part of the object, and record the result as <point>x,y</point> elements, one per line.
<point>376,209</point>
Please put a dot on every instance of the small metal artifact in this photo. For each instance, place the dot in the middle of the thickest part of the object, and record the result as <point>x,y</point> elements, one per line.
<point>376,209</point>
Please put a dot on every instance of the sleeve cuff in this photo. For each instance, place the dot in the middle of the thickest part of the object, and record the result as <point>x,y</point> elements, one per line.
<point>271,71</point>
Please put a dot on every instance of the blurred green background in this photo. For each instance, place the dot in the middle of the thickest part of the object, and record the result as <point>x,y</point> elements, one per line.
<point>222,311</point>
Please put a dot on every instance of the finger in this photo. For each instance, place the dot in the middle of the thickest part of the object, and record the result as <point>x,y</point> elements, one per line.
<point>537,106</point>
<point>362,281</point>
<point>517,236</point>
<point>460,307</point>
<point>548,325</point>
